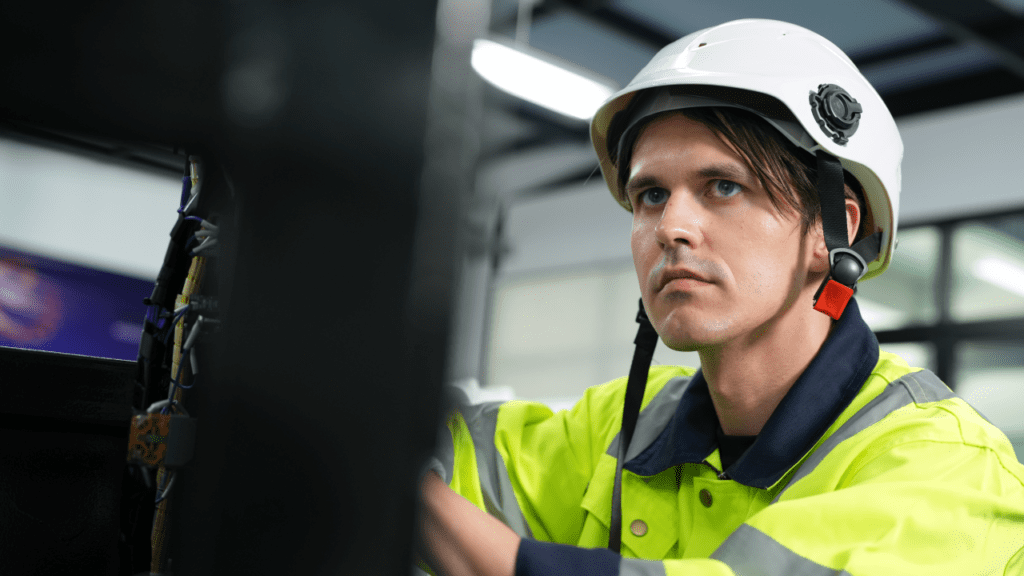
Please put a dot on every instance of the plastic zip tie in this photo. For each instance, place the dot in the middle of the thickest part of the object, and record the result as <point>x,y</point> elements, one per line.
<point>191,204</point>
<point>205,245</point>
<point>155,406</point>
<point>161,404</point>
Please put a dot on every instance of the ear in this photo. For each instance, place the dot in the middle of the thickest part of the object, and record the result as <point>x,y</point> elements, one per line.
<point>819,250</point>
<point>852,219</point>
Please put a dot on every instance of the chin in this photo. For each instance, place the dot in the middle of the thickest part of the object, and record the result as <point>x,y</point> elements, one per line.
<point>692,334</point>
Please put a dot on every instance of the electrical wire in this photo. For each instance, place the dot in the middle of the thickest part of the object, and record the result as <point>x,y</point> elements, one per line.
<point>186,349</point>
<point>206,233</point>
<point>206,244</point>
<point>162,493</point>
<point>179,313</point>
<point>186,190</point>
<point>162,406</point>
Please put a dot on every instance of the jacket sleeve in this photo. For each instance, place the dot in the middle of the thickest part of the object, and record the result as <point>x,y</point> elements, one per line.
<point>522,464</point>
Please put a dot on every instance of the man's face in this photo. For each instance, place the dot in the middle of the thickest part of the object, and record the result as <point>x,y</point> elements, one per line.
<point>715,259</point>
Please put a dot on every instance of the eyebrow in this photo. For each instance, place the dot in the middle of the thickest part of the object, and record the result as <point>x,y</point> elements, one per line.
<point>640,182</point>
<point>724,171</point>
<point>728,171</point>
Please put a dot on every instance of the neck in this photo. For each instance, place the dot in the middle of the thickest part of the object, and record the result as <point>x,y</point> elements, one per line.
<point>748,377</point>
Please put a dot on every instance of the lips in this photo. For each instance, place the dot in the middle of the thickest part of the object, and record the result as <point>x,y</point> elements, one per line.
<point>680,274</point>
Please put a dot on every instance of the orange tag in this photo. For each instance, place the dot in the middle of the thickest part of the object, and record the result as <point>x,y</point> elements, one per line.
<point>833,299</point>
<point>147,439</point>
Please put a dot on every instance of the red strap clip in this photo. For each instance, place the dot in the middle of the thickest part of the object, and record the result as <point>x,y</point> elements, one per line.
<point>833,299</point>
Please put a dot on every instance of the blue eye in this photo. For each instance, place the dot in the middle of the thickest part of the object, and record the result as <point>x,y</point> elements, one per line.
<point>653,196</point>
<point>726,188</point>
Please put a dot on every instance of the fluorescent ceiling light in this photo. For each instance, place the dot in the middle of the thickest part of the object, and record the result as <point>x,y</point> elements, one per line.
<point>1001,273</point>
<point>537,78</point>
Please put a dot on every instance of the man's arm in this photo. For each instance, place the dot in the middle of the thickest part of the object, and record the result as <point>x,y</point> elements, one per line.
<point>458,539</point>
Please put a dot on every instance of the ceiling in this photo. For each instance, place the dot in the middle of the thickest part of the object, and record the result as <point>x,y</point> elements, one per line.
<point>921,55</point>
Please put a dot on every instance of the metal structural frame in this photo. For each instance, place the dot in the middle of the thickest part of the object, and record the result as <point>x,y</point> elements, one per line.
<point>979,22</point>
<point>946,333</point>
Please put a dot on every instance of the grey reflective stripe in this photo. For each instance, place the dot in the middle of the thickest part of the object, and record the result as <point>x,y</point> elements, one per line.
<point>750,552</point>
<point>922,386</point>
<point>653,418</point>
<point>499,497</point>
<point>634,567</point>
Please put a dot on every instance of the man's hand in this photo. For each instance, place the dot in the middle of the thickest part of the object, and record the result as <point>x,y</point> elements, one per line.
<point>459,539</point>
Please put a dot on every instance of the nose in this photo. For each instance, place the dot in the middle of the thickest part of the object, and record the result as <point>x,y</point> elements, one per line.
<point>680,222</point>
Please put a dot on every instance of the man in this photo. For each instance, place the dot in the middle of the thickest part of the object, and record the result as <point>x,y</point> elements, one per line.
<point>751,156</point>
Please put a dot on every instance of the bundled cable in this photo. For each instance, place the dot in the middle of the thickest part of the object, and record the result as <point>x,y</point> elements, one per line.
<point>182,347</point>
<point>163,435</point>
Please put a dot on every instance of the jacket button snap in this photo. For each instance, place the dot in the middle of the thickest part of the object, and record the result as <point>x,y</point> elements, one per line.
<point>705,498</point>
<point>638,527</point>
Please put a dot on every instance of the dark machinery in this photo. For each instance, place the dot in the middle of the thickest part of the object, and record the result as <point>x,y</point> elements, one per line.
<point>332,278</point>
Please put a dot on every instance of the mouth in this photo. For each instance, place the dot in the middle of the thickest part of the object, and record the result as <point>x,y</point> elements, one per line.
<point>681,280</point>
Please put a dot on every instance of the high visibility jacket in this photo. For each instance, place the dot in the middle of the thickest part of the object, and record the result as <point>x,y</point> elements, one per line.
<point>867,467</point>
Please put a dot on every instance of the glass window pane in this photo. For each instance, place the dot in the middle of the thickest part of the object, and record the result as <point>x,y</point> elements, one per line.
<point>916,354</point>
<point>988,269</point>
<point>555,334</point>
<point>990,377</point>
<point>905,294</point>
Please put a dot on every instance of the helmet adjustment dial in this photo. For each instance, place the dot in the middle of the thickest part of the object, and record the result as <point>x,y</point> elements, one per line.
<point>836,111</point>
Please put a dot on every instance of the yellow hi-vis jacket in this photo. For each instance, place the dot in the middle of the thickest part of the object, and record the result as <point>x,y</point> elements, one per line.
<point>867,468</point>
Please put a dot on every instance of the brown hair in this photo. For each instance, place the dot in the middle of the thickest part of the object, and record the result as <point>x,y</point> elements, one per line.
<point>787,173</point>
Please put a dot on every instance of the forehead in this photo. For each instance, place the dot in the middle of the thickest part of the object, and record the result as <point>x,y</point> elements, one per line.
<point>674,138</point>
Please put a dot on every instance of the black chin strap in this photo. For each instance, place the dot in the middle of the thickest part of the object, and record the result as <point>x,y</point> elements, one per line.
<point>646,339</point>
<point>832,198</point>
<point>846,264</point>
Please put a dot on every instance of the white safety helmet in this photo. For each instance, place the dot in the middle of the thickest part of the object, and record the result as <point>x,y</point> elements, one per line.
<point>793,78</point>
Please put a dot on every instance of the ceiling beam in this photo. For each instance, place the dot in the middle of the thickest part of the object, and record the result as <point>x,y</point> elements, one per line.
<point>983,23</point>
<point>639,31</point>
<point>977,21</point>
<point>902,50</point>
<point>956,91</point>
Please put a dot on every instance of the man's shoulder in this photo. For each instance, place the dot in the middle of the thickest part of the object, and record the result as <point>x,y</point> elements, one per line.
<point>916,408</point>
<point>611,394</point>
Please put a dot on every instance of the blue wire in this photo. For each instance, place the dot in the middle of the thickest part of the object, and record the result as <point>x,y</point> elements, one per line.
<point>176,382</point>
<point>181,365</point>
<point>186,190</point>
<point>182,386</point>
<point>177,317</point>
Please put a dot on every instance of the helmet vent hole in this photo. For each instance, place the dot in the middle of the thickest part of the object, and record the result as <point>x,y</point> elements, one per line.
<point>702,44</point>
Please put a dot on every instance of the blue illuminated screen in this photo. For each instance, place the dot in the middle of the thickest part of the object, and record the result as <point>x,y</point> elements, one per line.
<point>47,304</point>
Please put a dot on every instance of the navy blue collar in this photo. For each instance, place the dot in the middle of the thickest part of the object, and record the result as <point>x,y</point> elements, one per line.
<point>817,398</point>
